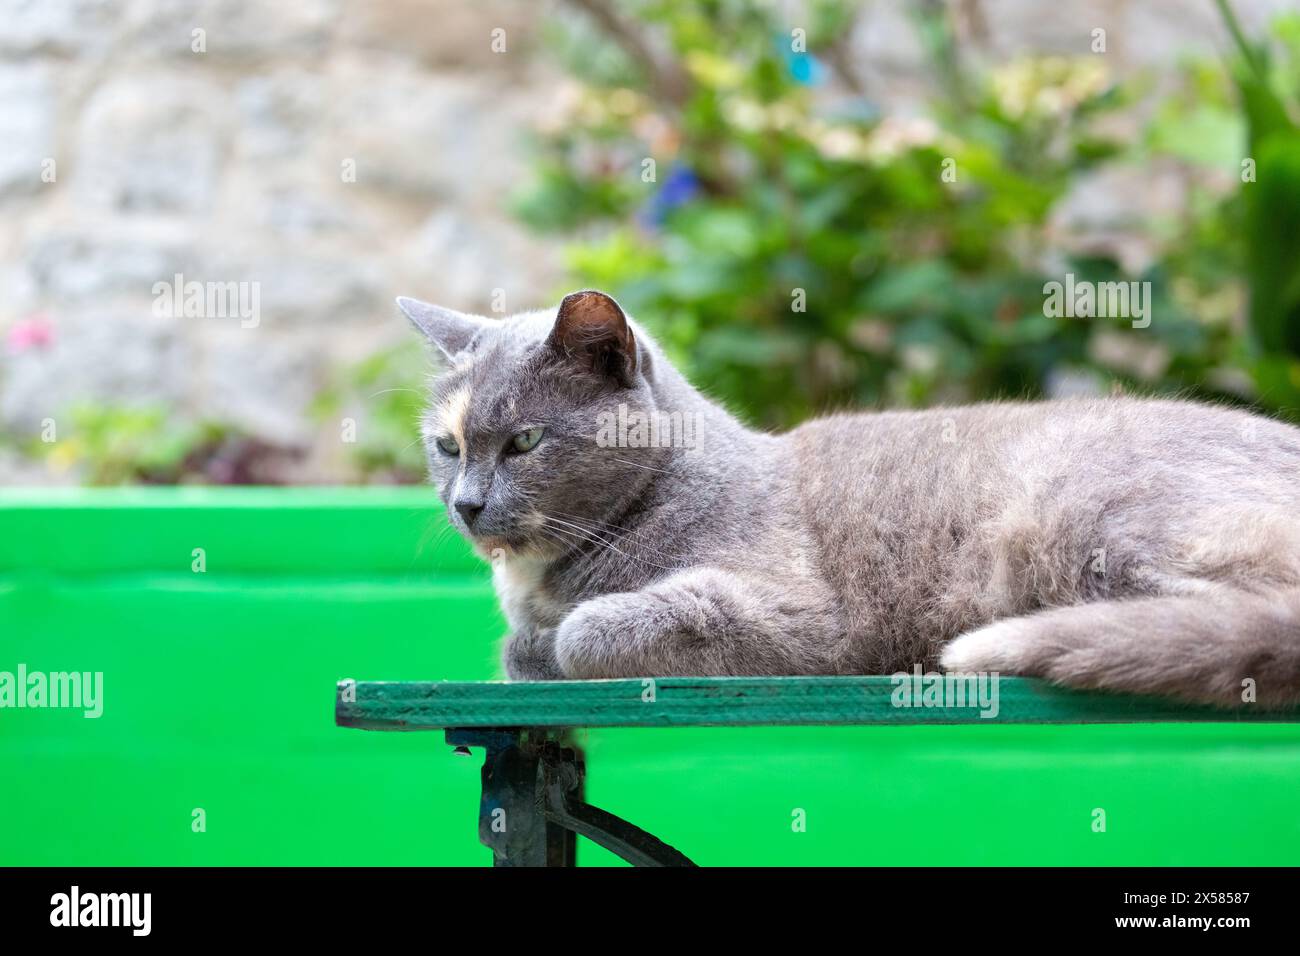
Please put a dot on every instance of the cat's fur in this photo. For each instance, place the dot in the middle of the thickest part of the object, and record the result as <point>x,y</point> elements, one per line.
<point>1125,544</point>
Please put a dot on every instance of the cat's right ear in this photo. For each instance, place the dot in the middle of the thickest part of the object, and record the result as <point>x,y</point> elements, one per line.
<point>591,329</point>
<point>451,331</point>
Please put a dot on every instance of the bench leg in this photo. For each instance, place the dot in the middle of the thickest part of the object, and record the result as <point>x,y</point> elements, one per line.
<point>511,822</point>
<point>531,809</point>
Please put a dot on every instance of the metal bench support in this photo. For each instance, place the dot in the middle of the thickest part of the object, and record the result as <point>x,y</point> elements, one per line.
<point>531,809</point>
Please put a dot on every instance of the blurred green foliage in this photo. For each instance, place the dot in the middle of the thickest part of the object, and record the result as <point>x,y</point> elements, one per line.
<point>377,402</point>
<point>113,445</point>
<point>799,252</point>
<point>1271,219</point>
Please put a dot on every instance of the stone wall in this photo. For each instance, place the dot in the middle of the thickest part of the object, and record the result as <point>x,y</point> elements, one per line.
<point>334,153</point>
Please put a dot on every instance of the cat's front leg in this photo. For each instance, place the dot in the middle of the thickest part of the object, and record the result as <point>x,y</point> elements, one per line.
<point>530,655</point>
<point>700,622</point>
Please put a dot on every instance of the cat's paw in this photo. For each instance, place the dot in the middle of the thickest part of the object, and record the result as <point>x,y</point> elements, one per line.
<point>1003,646</point>
<point>587,641</point>
<point>531,656</point>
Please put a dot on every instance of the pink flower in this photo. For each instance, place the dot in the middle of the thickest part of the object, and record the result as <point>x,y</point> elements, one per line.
<point>35,331</point>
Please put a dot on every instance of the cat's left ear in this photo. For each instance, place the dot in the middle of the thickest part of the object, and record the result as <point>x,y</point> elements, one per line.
<point>451,331</point>
<point>591,329</point>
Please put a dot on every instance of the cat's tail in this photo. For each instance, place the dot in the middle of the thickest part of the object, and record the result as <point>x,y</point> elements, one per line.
<point>1227,648</point>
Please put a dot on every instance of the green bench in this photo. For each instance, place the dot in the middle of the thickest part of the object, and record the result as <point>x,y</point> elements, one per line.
<point>532,806</point>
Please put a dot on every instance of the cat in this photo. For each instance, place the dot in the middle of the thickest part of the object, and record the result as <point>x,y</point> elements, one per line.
<point>1122,544</point>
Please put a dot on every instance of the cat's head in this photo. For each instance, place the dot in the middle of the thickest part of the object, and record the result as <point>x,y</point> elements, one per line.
<point>517,430</point>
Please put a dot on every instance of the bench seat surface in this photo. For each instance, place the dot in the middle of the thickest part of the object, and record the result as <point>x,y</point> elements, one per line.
<point>728,701</point>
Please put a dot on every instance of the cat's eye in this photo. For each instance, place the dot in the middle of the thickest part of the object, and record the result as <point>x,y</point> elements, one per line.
<point>526,440</point>
<point>448,446</point>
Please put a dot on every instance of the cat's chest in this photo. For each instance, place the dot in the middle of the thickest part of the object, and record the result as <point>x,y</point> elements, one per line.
<point>525,597</point>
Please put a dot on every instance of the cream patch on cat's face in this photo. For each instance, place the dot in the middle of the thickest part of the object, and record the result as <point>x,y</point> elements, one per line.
<point>452,415</point>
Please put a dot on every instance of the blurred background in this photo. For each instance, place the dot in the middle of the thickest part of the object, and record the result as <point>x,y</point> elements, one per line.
<point>813,204</point>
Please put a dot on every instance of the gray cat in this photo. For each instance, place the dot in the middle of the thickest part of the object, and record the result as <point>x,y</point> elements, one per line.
<point>636,528</point>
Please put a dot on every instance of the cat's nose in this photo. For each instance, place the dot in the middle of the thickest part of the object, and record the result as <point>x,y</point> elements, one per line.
<point>469,511</point>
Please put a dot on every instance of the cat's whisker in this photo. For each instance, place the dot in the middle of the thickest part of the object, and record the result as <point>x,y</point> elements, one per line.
<point>553,535</point>
<point>572,543</point>
<point>583,534</point>
<point>601,542</point>
<point>594,528</point>
<point>585,563</point>
<point>598,521</point>
<point>637,464</point>
<point>416,442</point>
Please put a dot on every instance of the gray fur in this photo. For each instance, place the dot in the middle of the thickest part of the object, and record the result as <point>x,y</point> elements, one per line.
<point>1127,544</point>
